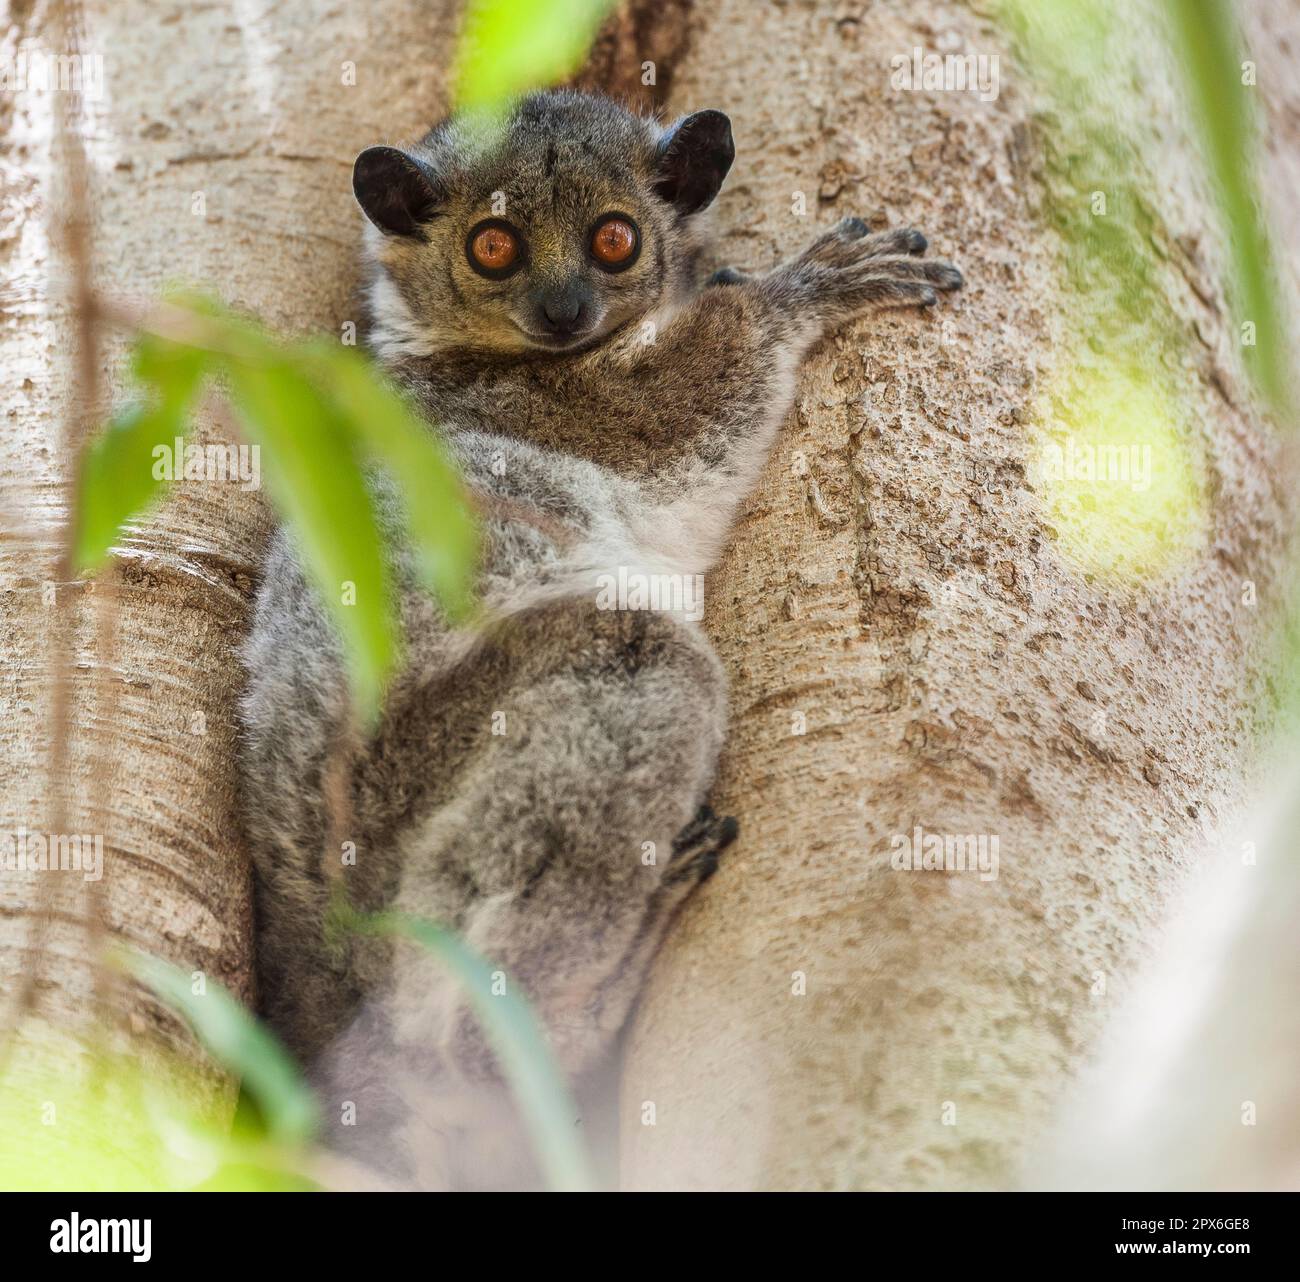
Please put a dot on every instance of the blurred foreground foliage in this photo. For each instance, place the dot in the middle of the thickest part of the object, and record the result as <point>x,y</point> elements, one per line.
<point>75,1116</point>
<point>1120,389</point>
<point>1118,478</point>
<point>1218,84</point>
<point>508,47</point>
<point>1083,55</point>
<point>321,415</point>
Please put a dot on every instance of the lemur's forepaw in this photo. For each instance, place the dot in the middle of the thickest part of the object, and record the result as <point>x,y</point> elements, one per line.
<point>697,848</point>
<point>859,269</point>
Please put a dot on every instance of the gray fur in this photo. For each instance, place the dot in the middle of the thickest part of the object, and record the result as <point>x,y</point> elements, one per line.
<point>631,447</point>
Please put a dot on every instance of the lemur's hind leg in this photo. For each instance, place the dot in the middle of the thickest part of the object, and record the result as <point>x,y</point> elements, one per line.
<point>590,740</point>
<point>697,848</point>
<point>695,856</point>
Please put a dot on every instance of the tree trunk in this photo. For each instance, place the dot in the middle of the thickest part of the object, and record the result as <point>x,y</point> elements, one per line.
<point>219,155</point>
<point>909,643</point>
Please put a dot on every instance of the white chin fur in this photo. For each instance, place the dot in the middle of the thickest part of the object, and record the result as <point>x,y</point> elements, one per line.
<point>395,332</point>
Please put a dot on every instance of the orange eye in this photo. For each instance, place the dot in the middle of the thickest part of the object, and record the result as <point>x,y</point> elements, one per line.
<point>493,249</point>
<point>614,244</point>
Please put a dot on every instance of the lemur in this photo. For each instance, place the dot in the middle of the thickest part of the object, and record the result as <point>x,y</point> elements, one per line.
<point>536,290</point>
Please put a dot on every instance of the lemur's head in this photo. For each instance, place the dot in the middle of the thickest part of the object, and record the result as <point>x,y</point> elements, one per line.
<point>545,232</point>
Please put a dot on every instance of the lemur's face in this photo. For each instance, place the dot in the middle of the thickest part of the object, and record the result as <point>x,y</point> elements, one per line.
<point>547,233</point>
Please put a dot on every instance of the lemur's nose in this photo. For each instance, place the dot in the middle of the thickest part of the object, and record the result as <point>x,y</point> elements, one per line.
<point>562,311</point>
<point>563,315</point>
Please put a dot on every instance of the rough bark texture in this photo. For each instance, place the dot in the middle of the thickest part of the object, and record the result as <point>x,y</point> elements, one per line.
<point>637,52</point>
<point>966,708</point>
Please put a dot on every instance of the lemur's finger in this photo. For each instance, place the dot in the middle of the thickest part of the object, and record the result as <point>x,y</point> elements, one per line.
<point>946,276</point>
<point>897,240</point>
<point>904,292</point>
<point>866,291</point>
<point>941,273</point>
<point>831,244</point>
<point>937,271</point>
<point>848,240</point>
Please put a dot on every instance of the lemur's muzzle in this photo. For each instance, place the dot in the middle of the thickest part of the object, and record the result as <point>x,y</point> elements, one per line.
<point>563,311</point>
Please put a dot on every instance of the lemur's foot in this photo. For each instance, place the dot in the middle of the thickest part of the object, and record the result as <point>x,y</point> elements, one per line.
<point>697,847</point>
<point>884,267</point>
<point>727,276</point>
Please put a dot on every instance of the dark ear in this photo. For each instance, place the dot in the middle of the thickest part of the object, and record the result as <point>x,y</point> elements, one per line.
<point>394,190</point>
<point>693,160</point>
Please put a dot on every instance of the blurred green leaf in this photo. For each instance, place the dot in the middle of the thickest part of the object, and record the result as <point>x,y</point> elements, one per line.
<point>1083,53</point>
<point>438,516</point>
<point>119,472</point>
<point>315,477</point>
<point>239,1043</point>
<point>1211,51</point>
<point>319,413</point>
<point>516,1037</point>
<point>508,47</point>
<point>1077,52</point>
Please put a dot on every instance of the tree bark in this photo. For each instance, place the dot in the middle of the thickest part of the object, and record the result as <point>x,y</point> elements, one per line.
<point>909,645</point>
<point>219,156</point>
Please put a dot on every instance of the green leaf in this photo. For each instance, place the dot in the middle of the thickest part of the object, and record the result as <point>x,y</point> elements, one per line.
<point>438,516</point>
<point>508,47</point>
<point>239,1043</point>
<point>119,473</point>
<point>516,1037</point>
<point>1211,56</point>
<point>319,414</point>
<point>314,474</point>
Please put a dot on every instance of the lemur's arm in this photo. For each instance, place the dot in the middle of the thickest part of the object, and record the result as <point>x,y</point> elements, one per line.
<point>719,375</point>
